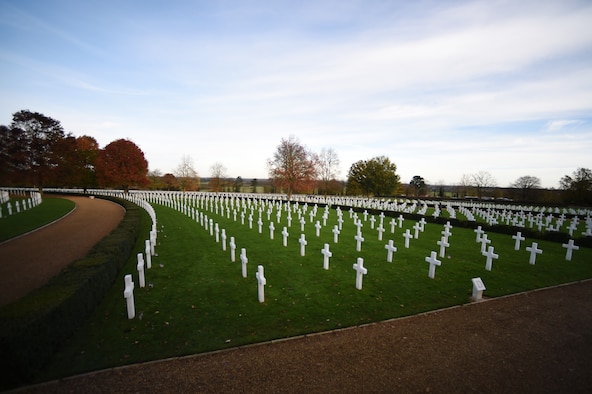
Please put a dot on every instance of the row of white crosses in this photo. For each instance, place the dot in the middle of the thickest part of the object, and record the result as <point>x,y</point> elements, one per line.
<point>221,234</point>
<point>23,205</point>
<point>141,266</point>
<point>221,237</point>
<point>325,251</point>
<point>487,251</point>
<point>533,249</point>
<point>443,243</point>
<point>244,260</point>
<point>545,217</point>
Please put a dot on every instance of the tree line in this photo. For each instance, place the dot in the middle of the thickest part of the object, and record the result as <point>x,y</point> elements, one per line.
<point>36,151</point>
<point>295,169</point>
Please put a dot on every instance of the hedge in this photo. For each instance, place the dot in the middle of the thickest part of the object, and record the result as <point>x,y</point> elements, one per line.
<point>34,327</point>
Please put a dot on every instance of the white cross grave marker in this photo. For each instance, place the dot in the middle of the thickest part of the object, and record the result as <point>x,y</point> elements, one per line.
<point>285,236</point>
<point>232,250</point>
<point>360,272</point>
<point>445,234</point>
<point>448,227</point>
<point>223,239</point>
<point>417,228</point>
<point>303,243</point>
<point>478,231</point>
<point>518,237</point>
<point>318,228</point>
<point>570,246</point>
<point>359,239</point>
<point>407,236</point>
<point>326,254</point>
<point>490,256</point>
<point>534,250</point>
<point>390,248</point>
<point>359,225</point>
<point>148,255</point>
<point>244,261</point>
<point>443,245</point>
<point>271,230</point>
<point>152,241</point>
<point>140,267</point>
<point>380,230</point>
<point>484,242</point>
<point>336,234</point>
<point>261,282</point>
<point>128,294</point>
<point>422,224</point>
<point>433,263</point>
<point>393,222</point>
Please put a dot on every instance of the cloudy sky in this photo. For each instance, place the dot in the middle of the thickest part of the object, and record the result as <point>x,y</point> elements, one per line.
<point>443,88</point>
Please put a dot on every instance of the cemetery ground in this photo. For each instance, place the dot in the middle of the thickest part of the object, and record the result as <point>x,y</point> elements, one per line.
<point>29,262</point>
<point>196,300</point>
<point>50,210</point>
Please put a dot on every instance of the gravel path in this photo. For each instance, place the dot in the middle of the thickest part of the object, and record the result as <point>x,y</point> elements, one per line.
<point>28,262</point>
<point>534,342</point>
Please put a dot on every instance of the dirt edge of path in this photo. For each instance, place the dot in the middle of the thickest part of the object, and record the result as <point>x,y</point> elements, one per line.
<point>537,341</point>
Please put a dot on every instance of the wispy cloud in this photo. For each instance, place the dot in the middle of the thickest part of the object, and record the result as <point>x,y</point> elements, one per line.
<point>558,125</point>
<point>441,87</point>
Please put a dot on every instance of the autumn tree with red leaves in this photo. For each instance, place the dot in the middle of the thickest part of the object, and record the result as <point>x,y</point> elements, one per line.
<point>87,149</point>
<point>293,168</point>
<point>122,164</point>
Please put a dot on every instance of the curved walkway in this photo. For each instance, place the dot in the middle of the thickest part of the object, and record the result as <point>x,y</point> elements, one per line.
<point>28,262</point>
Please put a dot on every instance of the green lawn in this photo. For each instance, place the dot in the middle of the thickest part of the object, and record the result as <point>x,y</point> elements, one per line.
<point>196,299</point>
<point>50,209</point>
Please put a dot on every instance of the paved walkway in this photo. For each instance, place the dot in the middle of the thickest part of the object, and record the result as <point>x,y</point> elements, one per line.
<point>28,262</point>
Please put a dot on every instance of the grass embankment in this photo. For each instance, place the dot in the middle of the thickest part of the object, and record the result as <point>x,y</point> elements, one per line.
<point>197,301</point>
<point>49,210</point>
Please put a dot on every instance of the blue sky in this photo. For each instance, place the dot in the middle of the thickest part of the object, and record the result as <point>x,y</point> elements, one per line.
<point>443,88</point>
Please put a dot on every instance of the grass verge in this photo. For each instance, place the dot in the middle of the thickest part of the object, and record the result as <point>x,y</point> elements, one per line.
<point>50,209</point>
<point>196,299</point>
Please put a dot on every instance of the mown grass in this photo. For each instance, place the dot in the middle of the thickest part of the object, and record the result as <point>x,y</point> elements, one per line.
<point>196,299</point>
<point>50,209</point>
